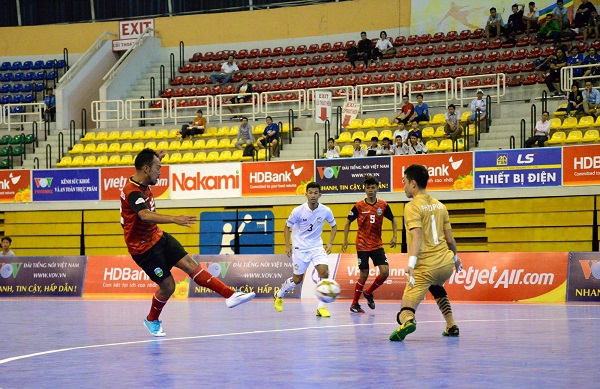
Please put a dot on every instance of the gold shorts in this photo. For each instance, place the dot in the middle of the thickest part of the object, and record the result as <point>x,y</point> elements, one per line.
<point>423,280</point>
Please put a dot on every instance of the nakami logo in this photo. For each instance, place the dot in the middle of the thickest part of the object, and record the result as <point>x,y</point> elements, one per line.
<point>45,182</point>
<point>590,267</point>
<point>528,158</point>
<point>198,181</point>
<point>329,171</point>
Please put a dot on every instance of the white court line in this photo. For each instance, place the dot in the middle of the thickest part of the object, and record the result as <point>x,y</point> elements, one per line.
<point>12,359</point>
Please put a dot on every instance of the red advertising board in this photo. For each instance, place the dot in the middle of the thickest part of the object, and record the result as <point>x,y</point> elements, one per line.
<point>485,277</point>
<point>112,180</point>
<point>276,178</point>
<point>118,275</point>
<point>581,165</point>
<point>15,186</point>
<point>452,171</point>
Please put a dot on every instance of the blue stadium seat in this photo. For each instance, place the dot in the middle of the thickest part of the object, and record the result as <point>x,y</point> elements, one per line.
<point>61,64</point>
<point>5,88</point>
<point>5,66</point>
<point>27,88</point>
<point>26,65</point>
<point>16,99</point>
<point>41,75</point>
<point>16,88</point>
<point>6,99</point>
<point>49,64</point>
<point>29,76</point>
<point>28,98</point>
<point>17,110</point>
<point>39,86</point>
<point>51,75</point>
<point>6,77</point>
<point>16,65</point>
<point>37,65</point>
<point>18,76</point>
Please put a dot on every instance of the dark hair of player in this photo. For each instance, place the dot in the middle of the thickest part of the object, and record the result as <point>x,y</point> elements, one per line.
<point>419,174</point>
<point>313,184</point>
<point>370,180</point>
<point>145,158</point>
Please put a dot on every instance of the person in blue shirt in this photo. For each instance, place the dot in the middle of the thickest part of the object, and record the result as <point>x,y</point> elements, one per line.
<point>591,99</point>
<point>561,14</point>
<point>421,113</point>
<point>270,135</point>
<point>592,58</point>
<point>50,106</point>
<point>575,59</point>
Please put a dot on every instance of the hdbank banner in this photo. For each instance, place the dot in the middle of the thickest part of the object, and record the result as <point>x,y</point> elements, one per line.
<point>523,168</point>
<point>211,180</point>
<point>261,274</point>
<point>113,179</point>
<point>66,185</point>
<point>15,186</point>
<point>581,165</point>
<point>347,175</point>
<point>41,276</point>
<point>584,277</point>
<point>281,178</point>
<point>452,171</point>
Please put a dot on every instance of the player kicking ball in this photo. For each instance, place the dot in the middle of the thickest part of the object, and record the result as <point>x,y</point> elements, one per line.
<point>155,251</point>
<point>432,253</point>
<point>306,223</point>
<point>369,213</point>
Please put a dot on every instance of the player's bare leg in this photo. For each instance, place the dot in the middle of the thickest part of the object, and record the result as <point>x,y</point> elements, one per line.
<point>286,287</point>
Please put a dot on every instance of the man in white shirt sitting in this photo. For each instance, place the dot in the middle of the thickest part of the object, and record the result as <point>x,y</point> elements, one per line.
<point>332,151</point>
<point>228,69</point>
<point>359,152</point>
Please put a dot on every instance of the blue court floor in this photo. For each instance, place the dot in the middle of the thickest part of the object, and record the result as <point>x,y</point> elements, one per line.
<point>103,344</point>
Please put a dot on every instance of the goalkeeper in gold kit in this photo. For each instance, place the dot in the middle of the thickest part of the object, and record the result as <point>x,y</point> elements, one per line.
<point>432,253</point>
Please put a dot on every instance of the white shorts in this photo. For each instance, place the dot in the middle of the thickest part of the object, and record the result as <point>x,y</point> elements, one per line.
<point>301,259</point>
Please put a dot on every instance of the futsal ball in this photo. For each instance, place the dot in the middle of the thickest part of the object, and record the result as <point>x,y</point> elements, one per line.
<point>327,290</point>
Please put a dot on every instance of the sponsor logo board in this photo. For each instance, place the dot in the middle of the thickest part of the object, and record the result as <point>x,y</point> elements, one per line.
<point>581,165</point>
<point>66,185</point>
<point>213,180</point>
<point>113,179</point>
<point>453,171</point>
<point>347,175</point>
<point>276,178</point>
<point>15,186</point>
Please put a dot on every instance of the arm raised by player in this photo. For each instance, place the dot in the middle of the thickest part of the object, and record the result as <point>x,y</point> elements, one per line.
<point>157,218</point>
<point>286,237</point>
<point>346,232</point>
<point>329,244</point>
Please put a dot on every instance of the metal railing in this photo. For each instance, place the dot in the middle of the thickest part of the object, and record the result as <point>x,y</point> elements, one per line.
<point>113,71</point>
<point>223,101</point>
<point>446,88</point>
<point>567,79</point>
<point>107,111</point>
<point>271,106</point>
<point>372,101</point>
<point>179,112</point>
<point>146,112</point>
<point>86,56</point>
<point>346,93</point>
<point>461,86</point>
<point>13,119</point>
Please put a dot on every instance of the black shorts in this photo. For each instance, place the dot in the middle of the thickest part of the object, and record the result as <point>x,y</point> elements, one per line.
<point>267,140</point>
<point>377,256</point>
<point>158,261</point>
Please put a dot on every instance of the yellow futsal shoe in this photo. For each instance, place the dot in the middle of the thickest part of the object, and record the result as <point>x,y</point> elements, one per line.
<point>323,312</point>
<point>278,304</point>
<point>407,328</point>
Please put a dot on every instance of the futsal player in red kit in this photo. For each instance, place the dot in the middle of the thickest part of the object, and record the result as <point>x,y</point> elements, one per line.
<point>369,213</point>
<point>155,251</point>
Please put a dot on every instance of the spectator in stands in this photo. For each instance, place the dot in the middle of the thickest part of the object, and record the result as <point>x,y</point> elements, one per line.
<point>244,136</point>
<point>592,58</point>
<point>574,101</point>
<point>591,99</point>
<point>242,98</point>
<point>561,15</point>
<point>374,149</point>
<point>452,127</point>
<point>50,106</point>
<point>332,151</point>
<point>421,113</point>
<point>406,111</point>
<point>401,132</point>
<point>6,251</point>
<point>575,59</point>
<point>387,148</point>
<point>414,129</point>
<point>196,127</point>
<point>556,61</point>
<point>478,108</point>
<point>583,14</point>
<point>530,18</point>
<point>382,47</point>
<point>592,25</point>
<point>542,132</point>
<point>359,152</point>
<point>270,136</point>
<point>550,29</point>
<point>399,146</point>
<point>494,23</point>
<point>415,146</point>
<point>515,23</point>
<point>362,51</point>
<point>228,69</point>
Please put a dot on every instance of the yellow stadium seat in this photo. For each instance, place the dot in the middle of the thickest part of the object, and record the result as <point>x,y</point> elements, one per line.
<point>574,136</point>
<point>557,138</point>
<point>555,123</point>
<point>198,144</point>
<point>345,137</point>
<point>591,136</point>
<point>125,135</point>
<point>224,156</point>
<point>137,147</point>
<point>90,160</point>
<point>354,124</point>
<point>137,135</point>
<point>76,149</point>
<point>368,123</point>
<point>211,144</point>
<point>465,115</point>
<point>471,129</point>
<point>114,147</point>
<point>166,159</point>
<point>262,155</point>
<point>424,122</point>
<point>438,118</point>
<point>369,135</point>
<point>89,148</point>
<point>162,145</point>
<point>174,145</point>
<point>114,160</point>
<point>225,144</point>
<point>432,145</point>
<point>126,148</point>
<point>428,132</point>
<point>175,158</point>
<point>597,122</point>
<point>259,129</point>
<point>236,156</point>
<point>223,131</point>
<point>101,148</point>
<point>162,134</point>
<point>113,136</point>
<point>174,133</point>
<point>64,161</point>
<point>200,157</point>
<point>347,151</point>
<point>102,136</point>
<point>561,110</point>
<point>186,145</point>
<point>460,144</point>
<point>149,134</point>
<point>102,160</point>
<point>445,145</point>
<point>150,145</point>
<point>585,122</point>
<point>187,157</point>
<point>210,132</point>
<point>285,128</point>
<point>439,132</point>
<point>77,161</point>
<point>568,123</point>
<point>127,160</point>
<point>358,135</point>
<point>89,137</point>
<point>382,122</point>
<point>233,131</point>
<point>213,156</point>
<point>386,134</point>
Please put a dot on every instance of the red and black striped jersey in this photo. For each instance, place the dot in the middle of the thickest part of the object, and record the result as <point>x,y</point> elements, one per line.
<point>140,236</point>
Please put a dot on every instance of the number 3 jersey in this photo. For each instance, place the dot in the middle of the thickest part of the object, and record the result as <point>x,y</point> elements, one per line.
<point>427,213</point>
<point>140,236</point>
<point>307,226</point>
<point>370,221</point>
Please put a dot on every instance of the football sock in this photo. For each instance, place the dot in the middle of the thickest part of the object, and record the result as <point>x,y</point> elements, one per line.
<point>158,302</point>
<point>321,304</point>
<point>358,289</point>
<point>406,314</point>
<point>204,278</point>
<point>376,284</point>
<point>288,285</point>
<point>443,304</point>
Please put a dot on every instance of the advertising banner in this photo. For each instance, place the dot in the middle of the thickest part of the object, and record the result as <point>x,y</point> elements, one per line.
<point>347,175</point>
<point>15,186</point>
<point>41,276</point>
<point>584,277</point>
<point>210,180</point>
<point>260,274</point>
<point>113,179</point>
<point>581,165</point>
<point>281,178</point>
<point>66,185</point>
<point>311,277</point>
<point>452,171</point>
<point>524,168</point>
<point>120,275</point>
